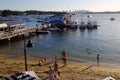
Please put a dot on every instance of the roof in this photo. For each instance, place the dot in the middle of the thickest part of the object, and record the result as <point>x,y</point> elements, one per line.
<point>11,22</point>
<point>3,25</point>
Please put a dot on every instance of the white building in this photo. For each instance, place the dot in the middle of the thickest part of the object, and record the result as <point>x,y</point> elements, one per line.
<point>11,25</point>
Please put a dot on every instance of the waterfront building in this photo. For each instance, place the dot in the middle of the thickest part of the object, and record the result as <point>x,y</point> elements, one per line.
<point>11,25</point>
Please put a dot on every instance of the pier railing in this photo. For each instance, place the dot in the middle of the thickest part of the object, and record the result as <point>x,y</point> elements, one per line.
<point>17,32</point>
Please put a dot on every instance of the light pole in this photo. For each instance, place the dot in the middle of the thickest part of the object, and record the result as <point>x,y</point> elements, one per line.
<point>29,45</point>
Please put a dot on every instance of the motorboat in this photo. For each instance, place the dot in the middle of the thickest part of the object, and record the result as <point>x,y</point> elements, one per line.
<point>53,29</point>
<point>82,25</point>
<point>112,19</point>
<point>42,32</point>
<point>89,25</point>
<point>95,24</point>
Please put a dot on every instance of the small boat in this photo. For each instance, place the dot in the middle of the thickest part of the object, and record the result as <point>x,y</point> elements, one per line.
<point>73,25</point>
<point>95,24</point>
<point>42,32</point>
<point>112,19</point>
<point>53,29</point>
<point>89,25</point>
<point>40,20</point>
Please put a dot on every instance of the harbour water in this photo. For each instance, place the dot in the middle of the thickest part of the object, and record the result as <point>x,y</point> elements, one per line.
<point>80,45</point>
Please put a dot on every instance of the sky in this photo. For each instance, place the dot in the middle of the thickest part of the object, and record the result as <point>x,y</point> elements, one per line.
<point>60,5</point>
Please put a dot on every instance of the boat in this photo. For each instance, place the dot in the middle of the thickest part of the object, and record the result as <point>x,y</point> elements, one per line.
<point>89,25</point>
<point>95,24</point>
<point>40,21</point>
<point>53,29</point>
<point>82,25</point>
<point>42,32</point>
<point>73,25</point>
<point>112,19</point>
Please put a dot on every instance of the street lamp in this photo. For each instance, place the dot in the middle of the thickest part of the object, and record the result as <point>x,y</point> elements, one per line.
<point>29,45</point>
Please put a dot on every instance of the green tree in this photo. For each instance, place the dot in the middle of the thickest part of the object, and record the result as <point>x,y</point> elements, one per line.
<point>6,13</point>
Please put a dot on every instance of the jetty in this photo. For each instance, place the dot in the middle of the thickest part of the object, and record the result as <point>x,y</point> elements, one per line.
<point>11,29</point>
<point>9,35</point>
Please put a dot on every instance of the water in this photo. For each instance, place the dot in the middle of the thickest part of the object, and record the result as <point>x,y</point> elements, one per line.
<point>80,45</point>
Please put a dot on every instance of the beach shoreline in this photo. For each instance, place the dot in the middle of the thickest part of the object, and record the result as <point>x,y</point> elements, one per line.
<point>76,71</point>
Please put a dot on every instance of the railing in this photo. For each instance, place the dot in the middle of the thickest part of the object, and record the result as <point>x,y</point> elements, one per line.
<point>8,35</point>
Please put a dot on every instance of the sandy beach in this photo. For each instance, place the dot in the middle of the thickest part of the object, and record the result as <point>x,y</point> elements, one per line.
<point>76,71</point>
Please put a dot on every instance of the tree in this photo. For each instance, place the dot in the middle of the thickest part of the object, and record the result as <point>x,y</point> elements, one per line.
<point>6,13</point>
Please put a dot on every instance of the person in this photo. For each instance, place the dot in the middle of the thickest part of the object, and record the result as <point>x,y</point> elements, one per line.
<point>55,66</point>
<point>56,71</point>
<point>64,58</point>
<point>98,59</point>
<point>51,73</point>
<point>63,54</point>
<point>64,62</point>
<point>56,59</point>
<point>40,63</point>
<point>56,74</point>
<point>44,59</point>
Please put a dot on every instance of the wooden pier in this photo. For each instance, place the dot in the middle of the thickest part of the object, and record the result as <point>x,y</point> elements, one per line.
<point>18,32</point>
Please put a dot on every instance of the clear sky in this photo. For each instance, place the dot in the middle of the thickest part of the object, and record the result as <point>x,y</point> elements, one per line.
<point>60,5</point>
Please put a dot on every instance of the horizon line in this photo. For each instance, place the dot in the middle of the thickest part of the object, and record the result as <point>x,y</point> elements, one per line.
<point>59,10</point>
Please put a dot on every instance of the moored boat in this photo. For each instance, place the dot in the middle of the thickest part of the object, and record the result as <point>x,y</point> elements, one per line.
<point>112,19</point>
<point>82,25</point>
<point>89,25</point>
<point>95,24</point>
<point>42,32</point>
<point>53,29</point>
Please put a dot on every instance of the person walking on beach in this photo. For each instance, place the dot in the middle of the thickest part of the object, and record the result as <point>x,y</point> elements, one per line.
<point>98,57</point>
<point>64,58</point>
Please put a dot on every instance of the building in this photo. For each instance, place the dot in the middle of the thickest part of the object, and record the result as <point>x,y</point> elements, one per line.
<point>11,25</point>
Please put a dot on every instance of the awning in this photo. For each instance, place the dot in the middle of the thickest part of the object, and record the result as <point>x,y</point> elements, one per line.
<point>3,25</point>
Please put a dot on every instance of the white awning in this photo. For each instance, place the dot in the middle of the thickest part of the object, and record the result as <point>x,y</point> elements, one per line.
<point>3,25</point>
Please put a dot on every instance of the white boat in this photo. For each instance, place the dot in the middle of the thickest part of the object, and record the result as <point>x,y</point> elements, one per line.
<point>42,31</point>
<point>95,24</point>
<point>53,29</point>
<point>89,25</point>
<point>82,25</point>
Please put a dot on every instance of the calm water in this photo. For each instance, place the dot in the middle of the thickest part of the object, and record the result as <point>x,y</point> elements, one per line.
<point>81,45</point>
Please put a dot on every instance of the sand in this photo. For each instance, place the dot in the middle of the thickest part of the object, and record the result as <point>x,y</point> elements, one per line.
<point>76,71</point>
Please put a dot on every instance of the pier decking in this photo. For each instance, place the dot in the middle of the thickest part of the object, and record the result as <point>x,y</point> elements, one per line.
<point>9,35</point>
